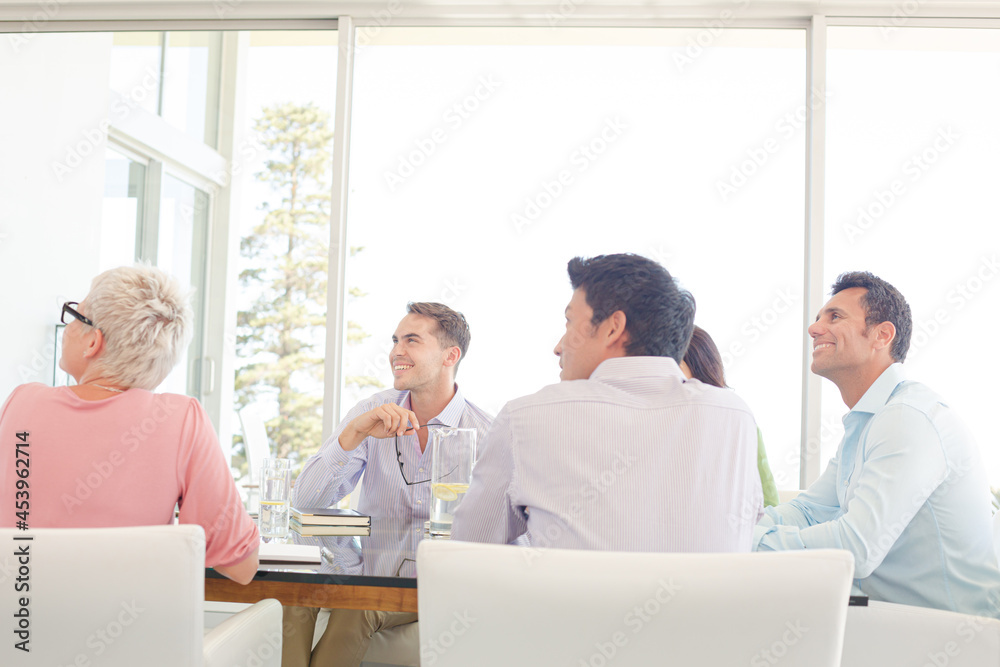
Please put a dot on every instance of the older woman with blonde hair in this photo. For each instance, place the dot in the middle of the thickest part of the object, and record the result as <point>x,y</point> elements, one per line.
<point>110,452</point>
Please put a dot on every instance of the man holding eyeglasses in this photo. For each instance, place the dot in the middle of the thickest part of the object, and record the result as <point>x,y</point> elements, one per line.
<point>386,437</point>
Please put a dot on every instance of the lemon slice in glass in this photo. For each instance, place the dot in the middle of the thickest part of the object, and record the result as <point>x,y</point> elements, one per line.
<point>444,492</point>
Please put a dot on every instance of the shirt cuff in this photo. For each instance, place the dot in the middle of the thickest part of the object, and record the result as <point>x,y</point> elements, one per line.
<point>768,518</point>
<point>759,532</point>
<point>335,456</point>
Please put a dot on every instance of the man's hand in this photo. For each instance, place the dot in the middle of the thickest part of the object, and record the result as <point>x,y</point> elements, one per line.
<point>384,421</point>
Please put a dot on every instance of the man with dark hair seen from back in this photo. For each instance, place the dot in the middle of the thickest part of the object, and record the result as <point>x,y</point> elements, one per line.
<point>703,362</point>
<point>623,454</point>
<point>906,492</point>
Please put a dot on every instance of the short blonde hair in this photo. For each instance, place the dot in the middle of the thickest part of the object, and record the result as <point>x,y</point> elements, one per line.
<point>145,316</point>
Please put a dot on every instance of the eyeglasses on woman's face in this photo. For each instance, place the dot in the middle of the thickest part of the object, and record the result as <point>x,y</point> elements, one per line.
<point>68,308</point>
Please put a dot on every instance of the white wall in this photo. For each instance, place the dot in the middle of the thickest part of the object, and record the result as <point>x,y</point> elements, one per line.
<point>53,97</point>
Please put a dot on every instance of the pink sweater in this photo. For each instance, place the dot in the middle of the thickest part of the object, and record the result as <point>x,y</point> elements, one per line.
<point>121,461</point>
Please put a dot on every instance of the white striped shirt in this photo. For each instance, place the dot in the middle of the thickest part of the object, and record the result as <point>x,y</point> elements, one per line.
<point>332,473</point>
<point>633,459</point>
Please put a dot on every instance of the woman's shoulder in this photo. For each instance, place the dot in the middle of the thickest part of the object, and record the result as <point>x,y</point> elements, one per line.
<point>36,391</point>
<point>167,406</point>
<point>34,398</point>
<point>177,401</point>
<point>35,387</point>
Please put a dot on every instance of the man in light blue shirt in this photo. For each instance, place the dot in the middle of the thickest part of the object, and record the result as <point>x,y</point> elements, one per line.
<point>906,492</point>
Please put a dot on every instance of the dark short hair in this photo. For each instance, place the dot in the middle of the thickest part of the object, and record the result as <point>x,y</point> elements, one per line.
<point>659,315</point>
<point>452,329</point>
<point>703,359</point>
<point>882,303</point>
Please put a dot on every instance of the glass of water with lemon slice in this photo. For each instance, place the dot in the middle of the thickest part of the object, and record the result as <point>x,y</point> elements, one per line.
<point>451,470</point>
<point>275,489</point>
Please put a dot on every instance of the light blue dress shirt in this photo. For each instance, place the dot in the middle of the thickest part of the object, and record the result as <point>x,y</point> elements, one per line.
<point>907,494</point>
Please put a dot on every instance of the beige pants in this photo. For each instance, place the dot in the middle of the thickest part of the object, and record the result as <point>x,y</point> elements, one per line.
<point>345,640</point>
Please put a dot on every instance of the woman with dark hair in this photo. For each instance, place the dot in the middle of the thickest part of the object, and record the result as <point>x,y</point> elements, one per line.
<point>703,362</point>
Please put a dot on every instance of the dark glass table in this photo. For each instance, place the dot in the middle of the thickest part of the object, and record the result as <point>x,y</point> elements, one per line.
<point>376,571</point>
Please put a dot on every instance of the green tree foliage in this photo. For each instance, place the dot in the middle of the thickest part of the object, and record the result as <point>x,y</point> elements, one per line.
<point>281,338</point>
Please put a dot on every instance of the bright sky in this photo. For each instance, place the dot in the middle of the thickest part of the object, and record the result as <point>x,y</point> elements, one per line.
<point>478,170</point>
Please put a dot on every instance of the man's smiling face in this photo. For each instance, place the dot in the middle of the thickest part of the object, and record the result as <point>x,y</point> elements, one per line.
<point>417,356</point>
<point>842,342</point>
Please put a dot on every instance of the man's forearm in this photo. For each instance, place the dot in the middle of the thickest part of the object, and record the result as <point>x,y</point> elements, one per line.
<point>350,439</point>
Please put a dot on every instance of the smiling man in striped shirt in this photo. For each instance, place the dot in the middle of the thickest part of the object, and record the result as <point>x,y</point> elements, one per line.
<point>428,346</point>
<point>624,454</point>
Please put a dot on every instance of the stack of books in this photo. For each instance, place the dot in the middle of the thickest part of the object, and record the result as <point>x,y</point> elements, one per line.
<point>318,522</point>
<point>274,552</point>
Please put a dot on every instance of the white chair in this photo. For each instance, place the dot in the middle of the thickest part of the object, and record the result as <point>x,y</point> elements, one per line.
<point>255,441</point>
<point>489,605</point>
<point>884,634</point>
<point>250,637</point>
<point>124,597</point>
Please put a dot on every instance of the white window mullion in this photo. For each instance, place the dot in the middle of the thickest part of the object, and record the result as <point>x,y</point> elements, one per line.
<point>149,231</point>
<point>338,226</point>
<point>809,459</point>
<point>223,280</point>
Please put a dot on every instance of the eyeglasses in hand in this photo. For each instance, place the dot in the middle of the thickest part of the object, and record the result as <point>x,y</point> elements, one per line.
<point>399,454</point>
<point>401,565</point>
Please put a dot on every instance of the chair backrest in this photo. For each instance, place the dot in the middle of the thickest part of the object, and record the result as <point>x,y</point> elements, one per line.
<point>250,638</point>
<point>255,440</point>
<point>104,596</point>
<point>894,634</point>
<point>491,605</point>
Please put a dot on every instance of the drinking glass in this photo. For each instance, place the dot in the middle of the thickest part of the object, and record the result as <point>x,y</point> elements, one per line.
<point>275,490</point>
<point>451,471</point>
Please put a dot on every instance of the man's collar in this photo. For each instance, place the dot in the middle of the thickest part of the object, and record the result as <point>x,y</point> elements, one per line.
<point>450,416</point>
<point>636,366</point>
<point>452,412</point>
<point>880,391</point>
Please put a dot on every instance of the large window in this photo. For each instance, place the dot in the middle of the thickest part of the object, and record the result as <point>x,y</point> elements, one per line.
<point>483,160</point>
<point>285,237</point>
<point>479,161</point>
<point>911,174</point>
<point>175,75</point>
<point>122,210</point>
<point>181,250</point>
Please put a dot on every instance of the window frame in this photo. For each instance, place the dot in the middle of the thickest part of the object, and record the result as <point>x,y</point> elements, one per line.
<point>229,16</point>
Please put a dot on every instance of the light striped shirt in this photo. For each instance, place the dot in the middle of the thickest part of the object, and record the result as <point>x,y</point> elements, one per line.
<point>332,473</point>
<point>390,551</point>
<point>633,459</point>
